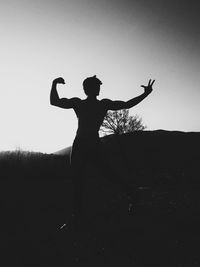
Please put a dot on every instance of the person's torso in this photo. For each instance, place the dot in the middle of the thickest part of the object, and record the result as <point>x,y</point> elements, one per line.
<point>90,114</point>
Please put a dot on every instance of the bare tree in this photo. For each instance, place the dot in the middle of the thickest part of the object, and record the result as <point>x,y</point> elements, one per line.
<point>120,122</point>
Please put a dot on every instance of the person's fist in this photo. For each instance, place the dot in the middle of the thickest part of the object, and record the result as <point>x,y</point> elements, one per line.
<point>59,80</point>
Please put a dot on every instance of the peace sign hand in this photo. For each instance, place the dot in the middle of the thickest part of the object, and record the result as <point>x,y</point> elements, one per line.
<point>148,89</point>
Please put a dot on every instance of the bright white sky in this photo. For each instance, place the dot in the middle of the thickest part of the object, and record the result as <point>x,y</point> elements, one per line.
<point>124,43</point>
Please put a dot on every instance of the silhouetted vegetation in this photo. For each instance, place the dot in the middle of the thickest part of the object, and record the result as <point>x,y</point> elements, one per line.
<point>120,122</point>
<point>32,165</point>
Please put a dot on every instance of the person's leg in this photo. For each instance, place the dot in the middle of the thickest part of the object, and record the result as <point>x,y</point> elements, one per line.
<point>101,161</point>
<point>78,171</point>
<point>78,167</point>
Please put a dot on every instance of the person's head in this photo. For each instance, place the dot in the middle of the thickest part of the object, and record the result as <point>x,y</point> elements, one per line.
<point>91,86</point>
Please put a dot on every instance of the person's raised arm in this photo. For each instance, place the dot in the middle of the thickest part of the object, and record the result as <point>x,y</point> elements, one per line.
<point>116,105</point>
<point>55,100</point>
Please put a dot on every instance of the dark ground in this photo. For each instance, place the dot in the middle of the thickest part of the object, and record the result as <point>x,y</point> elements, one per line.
<point>163,228</point>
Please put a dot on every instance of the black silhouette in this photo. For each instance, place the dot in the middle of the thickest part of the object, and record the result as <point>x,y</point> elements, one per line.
<point>87,146</point>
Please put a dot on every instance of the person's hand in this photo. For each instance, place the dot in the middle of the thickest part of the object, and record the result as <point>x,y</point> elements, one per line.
<point>148,89</point>
<point>59,80</point>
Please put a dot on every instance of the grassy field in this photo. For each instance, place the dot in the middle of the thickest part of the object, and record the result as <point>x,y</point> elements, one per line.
<point>162,229</point>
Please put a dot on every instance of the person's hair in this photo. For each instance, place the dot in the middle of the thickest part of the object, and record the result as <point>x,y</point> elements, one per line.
<point>89,84</point>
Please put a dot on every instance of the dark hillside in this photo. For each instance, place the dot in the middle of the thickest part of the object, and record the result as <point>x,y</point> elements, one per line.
<point>162,229</point>
<point>141,157</point>
<point>152,152</point>
<point>18,165</point>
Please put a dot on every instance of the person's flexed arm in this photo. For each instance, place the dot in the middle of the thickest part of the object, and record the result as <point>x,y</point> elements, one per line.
<point>55,100</point>
<point>116,105</point>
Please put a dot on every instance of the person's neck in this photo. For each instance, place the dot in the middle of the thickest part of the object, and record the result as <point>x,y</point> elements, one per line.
<point>92,97</point>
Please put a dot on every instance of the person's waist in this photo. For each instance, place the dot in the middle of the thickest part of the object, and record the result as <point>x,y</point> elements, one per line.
<point>87,134</point>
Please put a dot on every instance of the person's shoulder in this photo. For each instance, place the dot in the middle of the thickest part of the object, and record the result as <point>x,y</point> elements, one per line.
<point>105,101</point>
<point>76,99</point>
<point>75,102</point>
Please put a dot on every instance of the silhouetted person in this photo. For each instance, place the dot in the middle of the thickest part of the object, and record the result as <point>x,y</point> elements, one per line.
<point>87,146</point>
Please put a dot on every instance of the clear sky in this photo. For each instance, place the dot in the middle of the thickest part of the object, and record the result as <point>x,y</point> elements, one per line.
<point>124,43</point>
